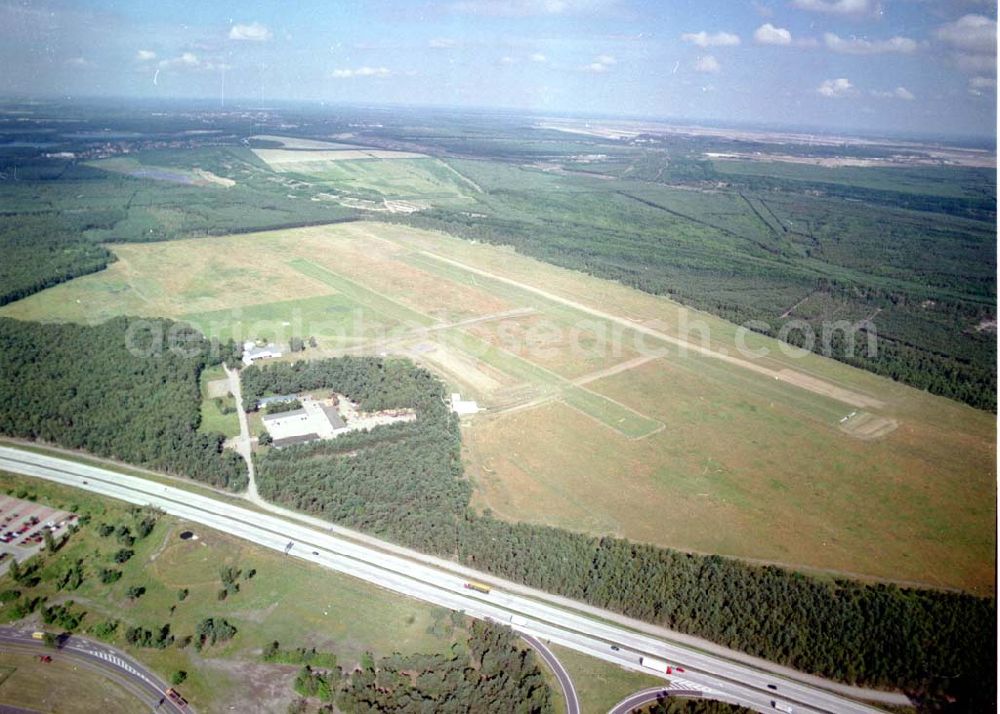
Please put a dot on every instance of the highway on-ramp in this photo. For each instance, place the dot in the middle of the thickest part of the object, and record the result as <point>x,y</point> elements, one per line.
<point>710,674</point>
<point>565,682</point>
<point>101,659</point>
<point>648,696</point>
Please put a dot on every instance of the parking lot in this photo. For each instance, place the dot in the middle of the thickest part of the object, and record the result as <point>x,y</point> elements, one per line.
<point>22,528</point>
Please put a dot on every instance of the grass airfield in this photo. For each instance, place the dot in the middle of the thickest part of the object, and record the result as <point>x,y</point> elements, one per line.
<point>607,410</point>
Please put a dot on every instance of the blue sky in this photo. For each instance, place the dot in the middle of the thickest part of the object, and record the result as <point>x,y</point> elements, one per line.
<point>917,66</point>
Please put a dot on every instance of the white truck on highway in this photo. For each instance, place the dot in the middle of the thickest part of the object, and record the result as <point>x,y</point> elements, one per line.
<point>782,707</point>
<point>655,664</point>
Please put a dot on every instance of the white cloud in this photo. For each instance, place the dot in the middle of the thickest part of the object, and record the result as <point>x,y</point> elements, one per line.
<point>972,40</point>
<point>836,7</point>
<point>145,55</point>
<point>538,57</point>
<point>185,60</point>
<point>507,60</point>
<point>78,62</point>
<point>704,39</point>
<point>980,85</point>
<point>361,72</point>
<point>707,64</point>
<point>970,33</point>
<point>897,93</point>
<point>859,46</point>
<point>601,64</point>
<point>768,34</point>
<point>530,8</point>
<point>442,43</point>
<point>254,32</point>
<point>836,88</point>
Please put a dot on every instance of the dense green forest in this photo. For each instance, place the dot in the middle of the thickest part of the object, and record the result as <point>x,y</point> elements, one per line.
<point>491,673</point>
<point>405,483</point>
<point>83,387</point>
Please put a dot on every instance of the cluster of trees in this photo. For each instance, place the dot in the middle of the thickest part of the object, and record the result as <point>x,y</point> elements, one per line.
<point>230,577</point>
<point>493,674</point>
<point>141,637</point>
<point>677,705</point>
<point>72,576</point>
<point>120,389</point>
<point>283,406</point>
<point>63,615</point>
<point>212,630</point>
<point>405,483</point>
<point>314,684</point>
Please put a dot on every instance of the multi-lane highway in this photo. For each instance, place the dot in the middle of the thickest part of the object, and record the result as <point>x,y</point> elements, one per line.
<point>581,630</point>
<point>101,659</point>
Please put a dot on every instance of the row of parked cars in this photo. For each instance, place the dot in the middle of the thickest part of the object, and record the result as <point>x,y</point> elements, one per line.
<point>36,537</point>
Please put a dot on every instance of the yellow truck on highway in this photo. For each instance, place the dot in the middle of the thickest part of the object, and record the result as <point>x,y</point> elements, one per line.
<point>478,587</point>
<point>38,635</point>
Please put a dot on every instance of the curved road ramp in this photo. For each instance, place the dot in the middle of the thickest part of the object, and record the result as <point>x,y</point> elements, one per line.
<point>102,660</point>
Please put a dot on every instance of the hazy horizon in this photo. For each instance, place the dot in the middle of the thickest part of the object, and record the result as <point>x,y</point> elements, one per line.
<point>891,68</point>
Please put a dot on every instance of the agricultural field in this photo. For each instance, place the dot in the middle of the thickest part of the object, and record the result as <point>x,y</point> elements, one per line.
<point>607,410</point>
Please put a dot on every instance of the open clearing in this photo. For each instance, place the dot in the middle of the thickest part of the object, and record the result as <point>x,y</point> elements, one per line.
<point>607,410</point>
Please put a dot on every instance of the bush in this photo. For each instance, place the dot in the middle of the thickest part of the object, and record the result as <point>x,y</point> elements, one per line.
<point>110,575</point>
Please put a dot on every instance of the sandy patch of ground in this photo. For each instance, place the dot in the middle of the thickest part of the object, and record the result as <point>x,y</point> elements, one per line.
<point>279,158</point>
<point>212,178</point>
<point>825,388</point>
<point>464,368</point>
<point>217,388</point>
<point>264,688</point>
<point>869,426</point>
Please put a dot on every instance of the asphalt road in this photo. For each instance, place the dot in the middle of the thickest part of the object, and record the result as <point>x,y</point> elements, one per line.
<point>582,630</point>
<point>103,660</point>
<point>646,697</point>
<point>569,691</point>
